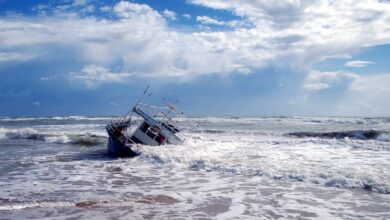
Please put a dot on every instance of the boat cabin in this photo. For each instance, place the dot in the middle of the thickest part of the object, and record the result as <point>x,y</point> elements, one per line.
<point>149,135</point>
<point>150,129</point>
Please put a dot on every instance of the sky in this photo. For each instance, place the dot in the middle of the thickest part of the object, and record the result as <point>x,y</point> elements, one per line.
<point>216,57</point>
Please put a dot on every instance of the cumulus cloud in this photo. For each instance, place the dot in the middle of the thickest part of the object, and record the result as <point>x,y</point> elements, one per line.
<point>317,80</point>
<point>205,20</point>
<point>94,75</point>
<point>171,15</point>
<point>105,8</point>
<point>131,10</point>
<point>137,40</point>
<point>368,95</point>
<point>380,83</point>
<point>89,9</point>
<point>328,28</point>
<point>349,93</point>
<point>358,63</point>
<point>294,33</point>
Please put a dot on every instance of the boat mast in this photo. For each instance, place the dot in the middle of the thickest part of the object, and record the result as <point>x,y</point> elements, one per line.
<point>131,111</point>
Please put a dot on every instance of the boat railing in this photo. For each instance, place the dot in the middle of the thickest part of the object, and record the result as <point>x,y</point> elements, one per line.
<point>163,113</point>
<point>171,136</point>
<point>169,116</point>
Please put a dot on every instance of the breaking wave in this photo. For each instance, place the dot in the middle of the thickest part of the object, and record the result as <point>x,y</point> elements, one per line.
<point>325,179</point>
<point>357,134</point>
<point>57,118</point>
<point>218,131</point>
<point>14,204</point>
<point>32,134</point>
<point>9,205</point>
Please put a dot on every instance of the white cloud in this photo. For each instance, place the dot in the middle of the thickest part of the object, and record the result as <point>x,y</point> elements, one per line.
<point>316,86</point>
<point>40,7</point>
<point>337,56</point>
<point>358,63</point>
<point>353,94</point>
<point>317,80</point>
<point>132,10</point>
<point>169,14</point>
<point>205,20</point>
<point>94,75</point>
<point>89,9</point>
<point>328,27</point>
<point>368,95</point>
<point>377,83</point>
<point>188,16</point>
<point>105,8</point>
<point>290,34</point>
<point>15,57</point>
<point>78,3</point>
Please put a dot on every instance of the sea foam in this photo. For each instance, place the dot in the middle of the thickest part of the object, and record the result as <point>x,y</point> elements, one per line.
<point>59,138</point>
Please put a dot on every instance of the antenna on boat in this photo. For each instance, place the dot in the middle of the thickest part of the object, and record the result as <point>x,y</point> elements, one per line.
<point>172,107</point>
<point>140,98</point>
<point>147,88</point>
<point>138,101</point>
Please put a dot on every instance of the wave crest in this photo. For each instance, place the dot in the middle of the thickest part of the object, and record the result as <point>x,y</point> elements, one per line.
<point>330,179</point>
<point>32,134</point>
<point>357,134</point>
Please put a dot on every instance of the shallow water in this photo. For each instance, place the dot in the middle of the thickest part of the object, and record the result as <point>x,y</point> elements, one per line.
<point>227,168</point>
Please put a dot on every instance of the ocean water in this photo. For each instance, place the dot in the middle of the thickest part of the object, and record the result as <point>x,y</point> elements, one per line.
<point>227,168</point>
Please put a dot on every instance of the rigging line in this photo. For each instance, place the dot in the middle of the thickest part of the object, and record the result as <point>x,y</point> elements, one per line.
<point>131,110</point>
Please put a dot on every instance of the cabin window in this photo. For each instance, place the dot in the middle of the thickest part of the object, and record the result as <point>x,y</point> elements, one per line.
<point>146,129</point>
<point>170,127</point>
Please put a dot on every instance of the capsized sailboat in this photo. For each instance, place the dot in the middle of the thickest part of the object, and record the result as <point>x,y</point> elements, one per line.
<point>146,125</point>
